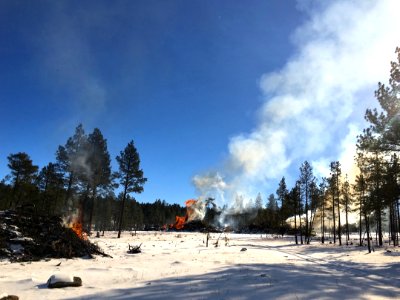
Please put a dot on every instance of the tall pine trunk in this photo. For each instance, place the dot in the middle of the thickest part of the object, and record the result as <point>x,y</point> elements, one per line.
<point>323,222</point>
<point>338,206</point>
<point>334,219</point>
<point>121,215</point>
<point>307,233</point>
<point>366,218</point>
<point>295,228</point>
<point>92,201</point>
<point>360,229</point>
<point>347,224</point>
<point>301,230</point>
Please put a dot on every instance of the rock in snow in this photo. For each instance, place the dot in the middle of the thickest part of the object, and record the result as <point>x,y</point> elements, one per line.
<point>63,280</point>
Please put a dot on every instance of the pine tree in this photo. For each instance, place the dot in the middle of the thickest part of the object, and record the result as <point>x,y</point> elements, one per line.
<point>294,196</point>
<point>346,202</point>
<point>361,189</point>
<point>306,179</point>
<point>380,141</point>
<point>23,175</point>
<point>334,182</point>
<point>99,169</point>
<point>286,208</point>
<point>323,206</point>
<point>50,181</point>
<point>383,134</point>
<point>272,209</point>
<point>130,176</point>
<point>71,159</point>
<point>392,194</point>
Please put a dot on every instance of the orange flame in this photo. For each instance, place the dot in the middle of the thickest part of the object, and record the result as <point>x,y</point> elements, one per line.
<point>189,209</point>
<point>180,221</point>
<point>76,226</point>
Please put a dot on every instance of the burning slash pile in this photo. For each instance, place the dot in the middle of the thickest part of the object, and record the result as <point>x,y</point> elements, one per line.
<point>28,237</point>
<point>194,218</point>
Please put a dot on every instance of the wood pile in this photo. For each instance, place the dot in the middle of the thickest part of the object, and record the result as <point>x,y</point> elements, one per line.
<point>28,237</point>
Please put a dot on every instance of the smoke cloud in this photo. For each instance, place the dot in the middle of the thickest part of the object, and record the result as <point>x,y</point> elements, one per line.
<point>64,50</point>
<point>314,105</point>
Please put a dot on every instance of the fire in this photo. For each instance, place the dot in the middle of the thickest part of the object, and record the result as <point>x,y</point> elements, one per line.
<point>189,209</point>
<point>75,222</point>
<point>76,226</point>
<point>180,221</point>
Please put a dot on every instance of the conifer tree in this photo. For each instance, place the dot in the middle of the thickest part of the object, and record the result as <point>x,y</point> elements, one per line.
<point>50,181</point>
<point>286,207</point>
<point>23,175</point>
<point>98,173</point>
<point>334,182</point>
<point>71,159</point>
<point>346,202</point>
<point>306,179</point>
<point>130,176</point>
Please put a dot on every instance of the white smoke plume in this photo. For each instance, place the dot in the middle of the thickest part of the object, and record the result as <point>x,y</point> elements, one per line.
<point>314,105</point>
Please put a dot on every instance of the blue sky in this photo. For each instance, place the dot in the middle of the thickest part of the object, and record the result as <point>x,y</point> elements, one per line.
<point>230,95</point>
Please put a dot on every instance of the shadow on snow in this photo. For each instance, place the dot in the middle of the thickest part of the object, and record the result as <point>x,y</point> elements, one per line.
<point>266,281</point>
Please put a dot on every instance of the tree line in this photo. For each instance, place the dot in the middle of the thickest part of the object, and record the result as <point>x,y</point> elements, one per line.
<point>374,196</point>
<point>80,182</point>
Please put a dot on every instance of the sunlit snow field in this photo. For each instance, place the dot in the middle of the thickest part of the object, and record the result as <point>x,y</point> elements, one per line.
<point>175,265</point>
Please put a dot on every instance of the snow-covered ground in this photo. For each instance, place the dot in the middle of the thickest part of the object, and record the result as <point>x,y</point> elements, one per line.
<point>179,266</point>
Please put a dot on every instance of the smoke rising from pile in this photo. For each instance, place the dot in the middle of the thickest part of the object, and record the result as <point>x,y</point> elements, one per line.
<point>314,105</point>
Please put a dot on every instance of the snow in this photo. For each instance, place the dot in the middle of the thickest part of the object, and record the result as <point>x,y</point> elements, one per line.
<point>60,277</point>
<point>179,266</point>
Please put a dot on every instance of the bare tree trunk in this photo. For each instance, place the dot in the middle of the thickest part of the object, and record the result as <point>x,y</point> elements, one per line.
<point>295,228</point>
<point>347,224</point>
<point>122,211</point>
<point>307,233</point>
<point>360,224</point>
<point>301,231</point>
<point>323,223</point>
<point>368,233</point>
<point>339,223</point>
<point>334,218</point>
<point>91,209</point>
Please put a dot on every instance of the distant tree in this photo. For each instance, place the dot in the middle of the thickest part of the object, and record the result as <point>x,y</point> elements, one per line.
<point>71,159</point>
<point>130,176</point>
<point>379,142</point>
<point>306,179</point>
<point>260,220</point>
<point>99,169</point>
<point>360,188</point>
<point>23,175</point>
<point>272,212</point>
<point>133,218</point>
<point>316,196</point>
<point>5,195</point>
<point>105,205</point>
<point>50,181</point>
<point>259,201</point>
<point>286,207</point>
<point>323,206</point>
<point>294,196</point>
<point>347,200</point>
<point>334,182</point>
<point>391,190</point>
